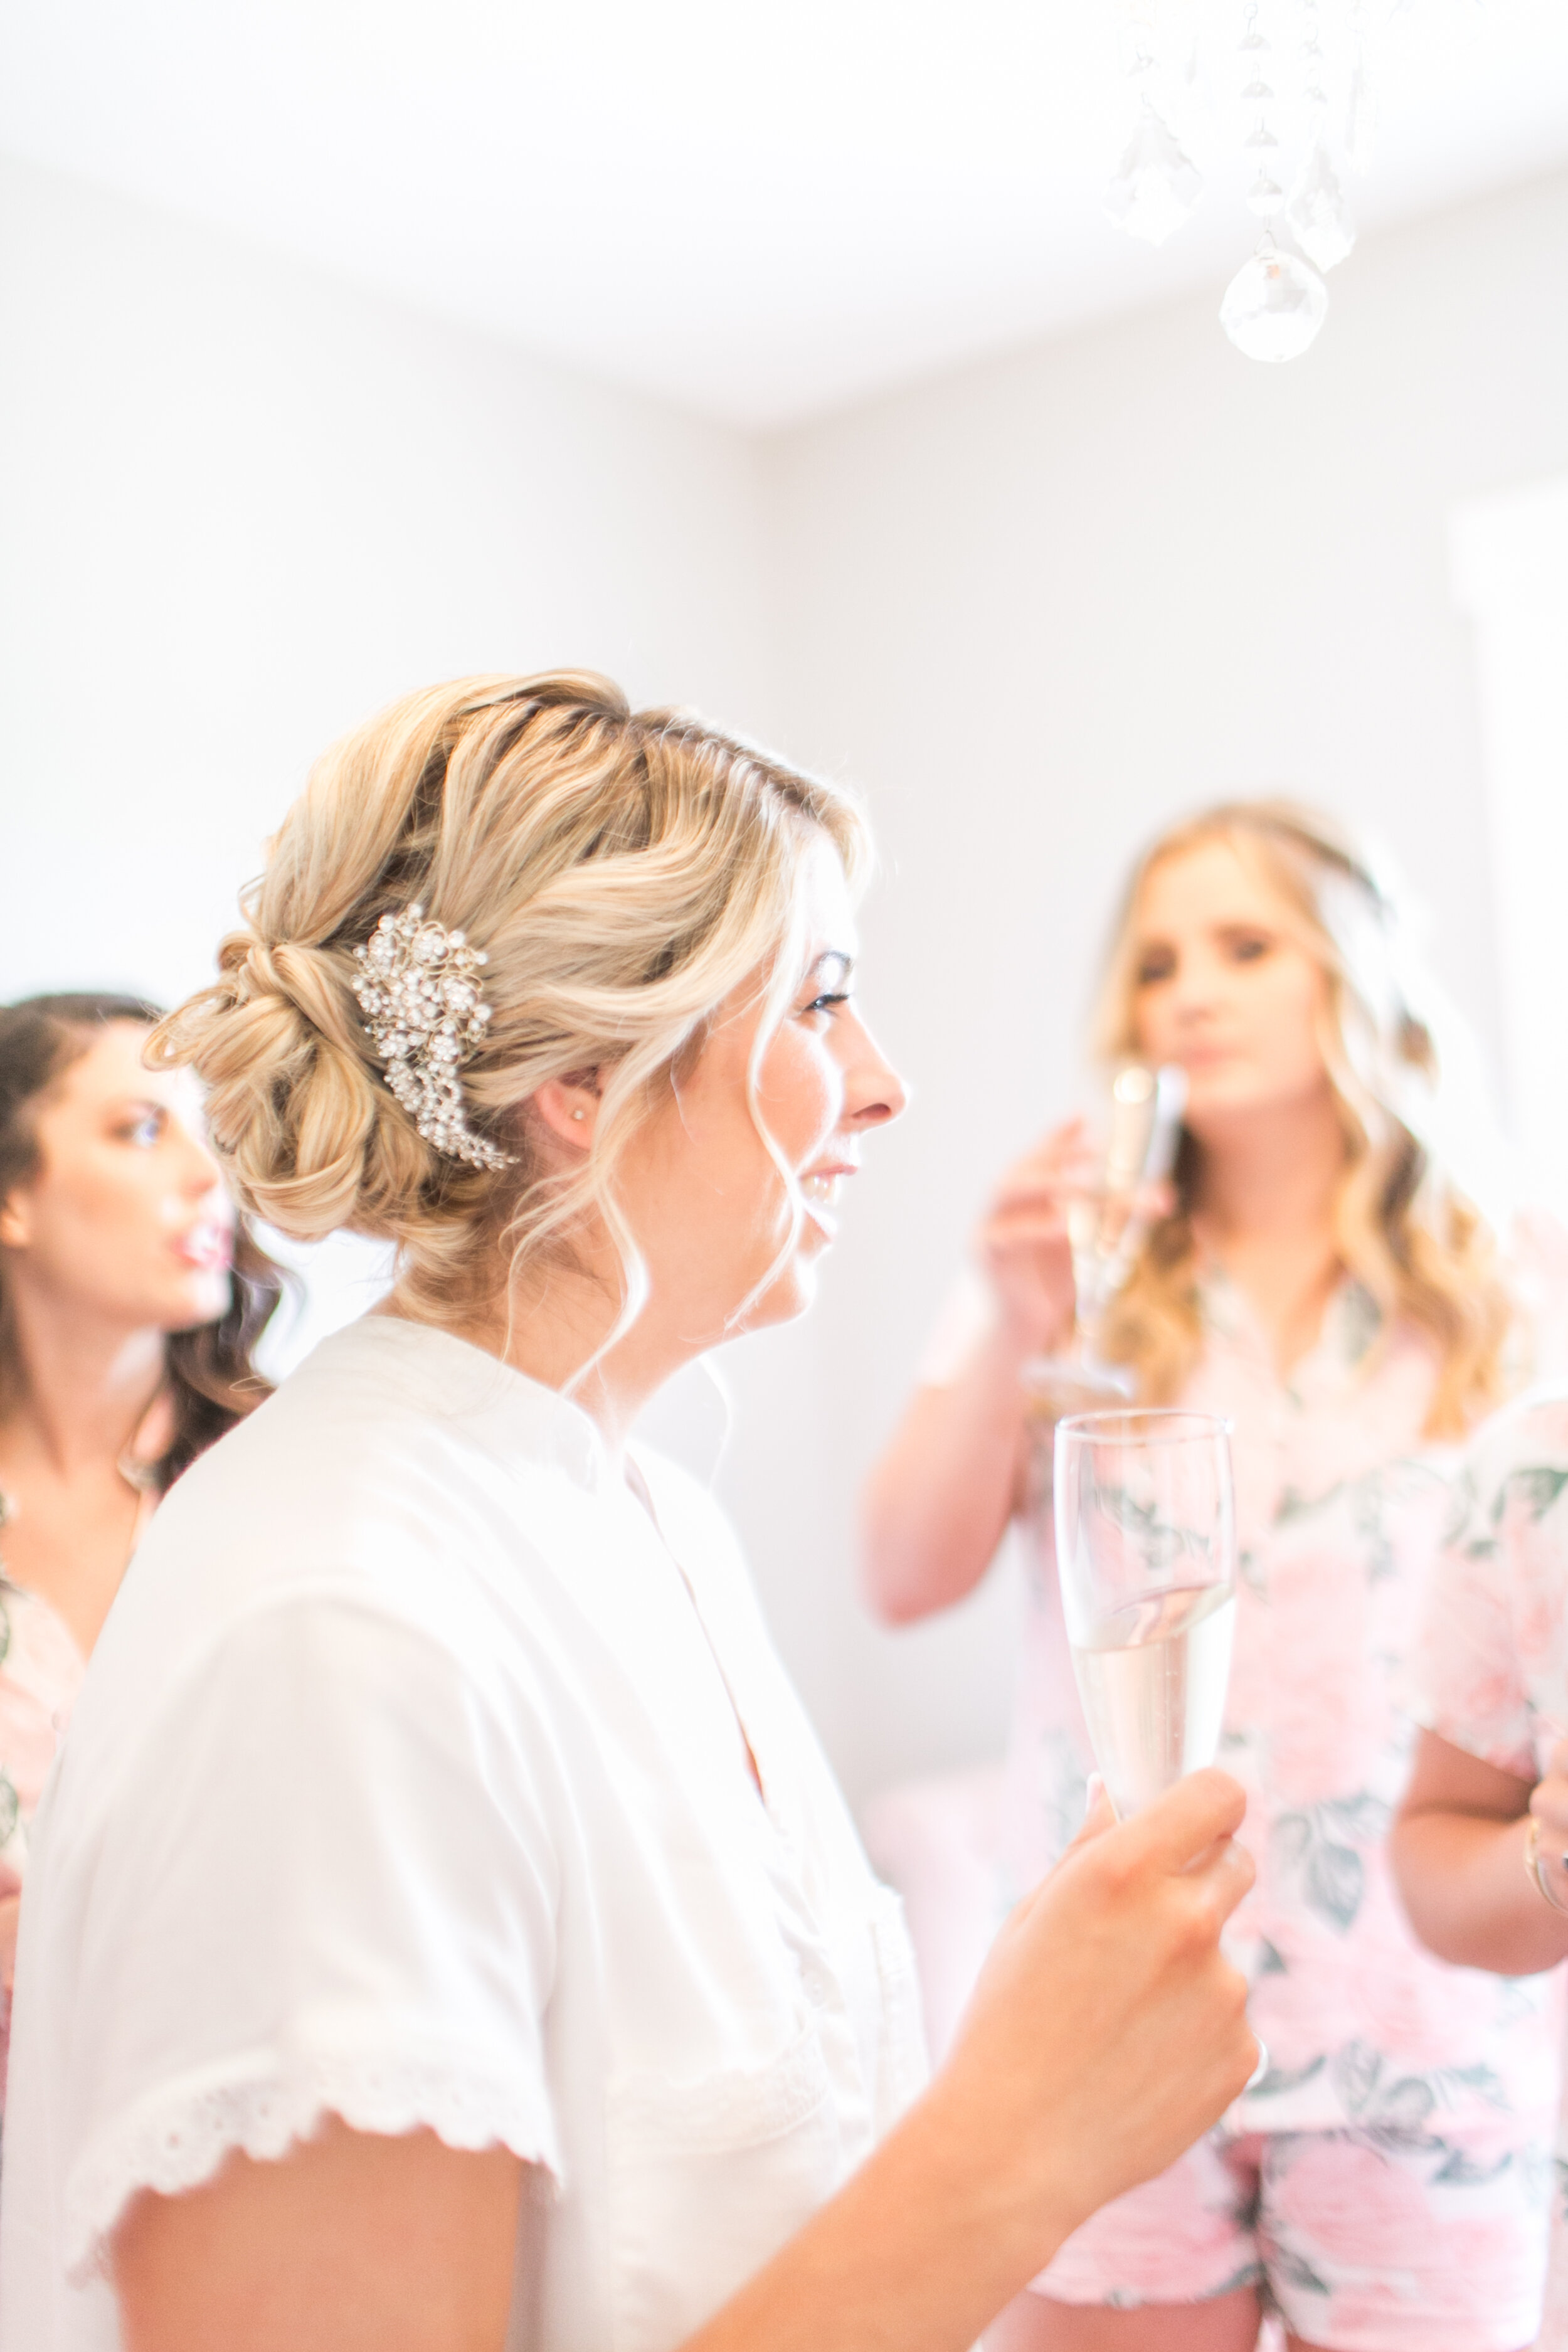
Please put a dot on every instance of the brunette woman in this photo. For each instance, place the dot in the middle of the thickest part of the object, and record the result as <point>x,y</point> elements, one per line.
<point>1322,1280</point>
<point>444,1931</point>
<point>129,1305</point>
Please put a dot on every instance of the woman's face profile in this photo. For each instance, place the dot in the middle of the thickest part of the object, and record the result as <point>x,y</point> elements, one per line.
<point>1223,986</point>
<point>705,1197</point>
<point>125,1216</point>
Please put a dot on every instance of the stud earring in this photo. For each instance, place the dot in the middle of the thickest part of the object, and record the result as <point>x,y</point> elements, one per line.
<point>579,1114</point>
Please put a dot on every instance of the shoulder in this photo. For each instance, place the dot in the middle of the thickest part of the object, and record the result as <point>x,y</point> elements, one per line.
<point>1535,1268</point>
<point>1533,1430</point>
<point>391,1446</point>
<point>1510,1510</point>
<point>1508,1527</point>
<point>398,1480</point>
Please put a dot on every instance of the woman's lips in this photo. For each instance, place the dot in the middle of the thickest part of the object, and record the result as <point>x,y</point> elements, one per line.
<point>1208,1058</point>
<point>819,1189</point>
<point>210,1247</point>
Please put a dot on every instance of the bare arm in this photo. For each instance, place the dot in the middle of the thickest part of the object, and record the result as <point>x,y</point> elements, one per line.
<point>349,2243</point>
<point>1458,1850</point>
<point>1107,2033</point>
<point>938,1503</point>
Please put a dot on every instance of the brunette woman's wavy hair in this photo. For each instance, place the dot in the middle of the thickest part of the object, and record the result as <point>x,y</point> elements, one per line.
<point>212,1380</point>
<point>1406,1231</point>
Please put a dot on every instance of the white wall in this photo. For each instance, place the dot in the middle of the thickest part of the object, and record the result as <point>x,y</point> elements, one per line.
<point>242,505</point>
<point>1511,576</point>
<point>1040,606</point>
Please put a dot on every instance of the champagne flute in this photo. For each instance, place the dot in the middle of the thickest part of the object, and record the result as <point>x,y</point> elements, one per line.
<point>1105,1232</point>
<point>1145,1525</point>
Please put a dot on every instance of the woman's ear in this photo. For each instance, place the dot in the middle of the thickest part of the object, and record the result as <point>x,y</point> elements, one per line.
<point>570,1107</point>
<point>13,1221</point>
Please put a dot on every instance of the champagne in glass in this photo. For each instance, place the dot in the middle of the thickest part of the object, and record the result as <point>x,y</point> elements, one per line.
<point>1145,1526</point>
<point>1106,1229</point>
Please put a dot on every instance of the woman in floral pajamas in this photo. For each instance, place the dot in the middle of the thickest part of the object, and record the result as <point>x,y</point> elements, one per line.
<point>1480,1850</point>
<point>1321,1280</point>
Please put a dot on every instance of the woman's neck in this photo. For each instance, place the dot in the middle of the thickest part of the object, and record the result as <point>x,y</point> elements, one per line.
<point>85,1388</point>
<point>1272,1174</point>
<point>550,1330</point>
<point>1264,1207</point>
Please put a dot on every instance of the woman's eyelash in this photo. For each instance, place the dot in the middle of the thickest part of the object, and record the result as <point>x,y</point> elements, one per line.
<point>821,1003</point>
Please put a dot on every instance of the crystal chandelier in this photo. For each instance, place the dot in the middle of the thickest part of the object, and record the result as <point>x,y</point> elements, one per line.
<point>1285,85</point>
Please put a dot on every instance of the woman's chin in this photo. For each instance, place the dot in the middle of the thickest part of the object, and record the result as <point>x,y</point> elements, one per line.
<point>205,1298</point>
<point>783,1300</point>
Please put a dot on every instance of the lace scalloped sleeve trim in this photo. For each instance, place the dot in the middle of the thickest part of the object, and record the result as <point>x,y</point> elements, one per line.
<point>176,2138</point>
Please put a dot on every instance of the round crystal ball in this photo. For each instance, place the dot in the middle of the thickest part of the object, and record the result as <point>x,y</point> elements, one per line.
<point>1274,305</point>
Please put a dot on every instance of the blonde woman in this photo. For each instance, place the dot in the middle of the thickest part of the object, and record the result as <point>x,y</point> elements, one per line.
<point>1321,1279</point>
<point>444,1933</point>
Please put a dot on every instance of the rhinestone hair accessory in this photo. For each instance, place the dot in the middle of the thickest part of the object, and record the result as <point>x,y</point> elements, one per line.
<point>419,990</point>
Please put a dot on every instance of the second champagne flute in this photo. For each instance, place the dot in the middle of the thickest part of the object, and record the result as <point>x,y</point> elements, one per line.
<point>1105,1230</point>
<point>1145,1528</point>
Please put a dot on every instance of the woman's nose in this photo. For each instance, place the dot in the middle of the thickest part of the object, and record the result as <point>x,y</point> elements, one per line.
<point>874,1091</point>
<point>1193,994</point>
<point>200,1173</point>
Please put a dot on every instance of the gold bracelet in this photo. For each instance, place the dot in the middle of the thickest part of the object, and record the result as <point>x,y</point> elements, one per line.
<point>1534,1871</point>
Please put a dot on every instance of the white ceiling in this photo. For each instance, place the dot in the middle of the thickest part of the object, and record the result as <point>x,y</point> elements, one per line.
<point>758,212</point>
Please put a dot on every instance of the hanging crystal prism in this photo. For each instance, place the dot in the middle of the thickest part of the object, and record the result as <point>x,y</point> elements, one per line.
<point>1265,197</point>
<point>1318,216</point>
<point>1274,305</point>
<point>1314,96</point>
<point>1360,100</point>
<point>1157,185</point>
<point>1361,119</point>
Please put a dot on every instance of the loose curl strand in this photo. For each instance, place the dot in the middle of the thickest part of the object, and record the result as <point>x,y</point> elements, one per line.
<point>624,871</point>
<point>1404,1228</point>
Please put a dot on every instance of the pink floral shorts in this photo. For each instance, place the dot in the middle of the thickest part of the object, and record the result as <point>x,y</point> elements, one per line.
<point>1361,2245</point>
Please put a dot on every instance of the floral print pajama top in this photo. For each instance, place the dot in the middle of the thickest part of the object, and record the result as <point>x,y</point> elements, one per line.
<point>1341,1507</point>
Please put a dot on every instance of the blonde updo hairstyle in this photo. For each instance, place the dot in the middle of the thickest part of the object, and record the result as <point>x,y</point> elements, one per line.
<point>1404,1230</point>
<point>624,872</point>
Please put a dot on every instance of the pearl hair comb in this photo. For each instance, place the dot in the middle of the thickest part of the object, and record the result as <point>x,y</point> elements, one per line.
<point>423,1002</point>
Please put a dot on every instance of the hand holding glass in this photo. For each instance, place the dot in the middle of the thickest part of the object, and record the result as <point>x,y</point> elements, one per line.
<point>1145,1526</point>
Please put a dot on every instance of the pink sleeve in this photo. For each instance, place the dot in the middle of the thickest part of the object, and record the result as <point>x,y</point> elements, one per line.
<point>1490,1668</point>
<point>1468,1680</point>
